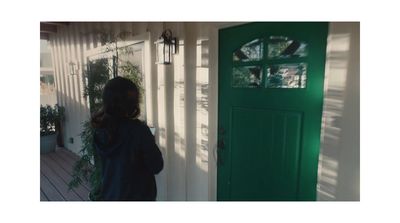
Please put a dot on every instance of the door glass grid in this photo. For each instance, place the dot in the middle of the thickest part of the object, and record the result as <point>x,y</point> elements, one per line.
<point>247,77</point>
<point>287,75</point>
<point>284,47</point>
<point>251,51</point>
<point>247,71</point>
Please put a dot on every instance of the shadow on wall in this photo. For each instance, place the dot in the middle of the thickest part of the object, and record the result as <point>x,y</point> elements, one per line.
<point>332,125</point>
<point>75,115</point>
<point>202,124</point>
<point>202,153</point>
<point>202,92</point>
<point>185,145</point>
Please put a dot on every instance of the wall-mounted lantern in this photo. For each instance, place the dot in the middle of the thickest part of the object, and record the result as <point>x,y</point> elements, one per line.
<point>73,68</point>
<point>166,45</point>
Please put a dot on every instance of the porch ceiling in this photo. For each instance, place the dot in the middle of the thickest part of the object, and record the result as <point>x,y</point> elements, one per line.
<point>47,28</point>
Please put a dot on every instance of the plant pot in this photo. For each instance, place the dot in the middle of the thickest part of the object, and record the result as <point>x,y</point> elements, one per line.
<point>48,143</point>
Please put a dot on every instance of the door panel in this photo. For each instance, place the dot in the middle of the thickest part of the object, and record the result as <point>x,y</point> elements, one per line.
<point>265,148</point>
<point>270,106</point>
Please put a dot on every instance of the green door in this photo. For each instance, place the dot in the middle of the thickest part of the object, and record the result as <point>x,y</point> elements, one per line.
<point>271,79</point>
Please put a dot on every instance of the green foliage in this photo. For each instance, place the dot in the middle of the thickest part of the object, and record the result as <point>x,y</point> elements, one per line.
<point>132,72</point>
<point>87,168</point>
<point>246,77</point>
<point>98,74</point>
<point>275,49</point>
<point>49,118</point>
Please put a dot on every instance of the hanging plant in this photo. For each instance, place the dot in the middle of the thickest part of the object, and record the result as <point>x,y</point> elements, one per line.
<point>87,168</point>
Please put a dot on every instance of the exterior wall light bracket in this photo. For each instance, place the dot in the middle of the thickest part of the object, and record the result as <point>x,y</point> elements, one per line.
<point>166,46</point>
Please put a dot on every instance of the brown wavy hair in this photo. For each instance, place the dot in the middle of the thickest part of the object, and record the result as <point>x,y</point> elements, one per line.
<point>120,102</point>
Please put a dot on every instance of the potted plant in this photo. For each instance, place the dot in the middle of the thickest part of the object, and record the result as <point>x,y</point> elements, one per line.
<point>49,116</point>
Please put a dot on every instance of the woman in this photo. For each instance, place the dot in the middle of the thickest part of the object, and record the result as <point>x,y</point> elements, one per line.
<point>130,157</point>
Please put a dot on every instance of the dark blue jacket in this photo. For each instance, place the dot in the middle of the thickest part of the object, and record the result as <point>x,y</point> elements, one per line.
<point>130,163</point>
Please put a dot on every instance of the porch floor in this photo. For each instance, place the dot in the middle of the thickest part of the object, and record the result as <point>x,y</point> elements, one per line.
<point>55,174</point>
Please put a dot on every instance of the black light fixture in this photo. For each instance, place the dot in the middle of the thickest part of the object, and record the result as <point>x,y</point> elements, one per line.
<point>73,68</point>
<point>166,45</point>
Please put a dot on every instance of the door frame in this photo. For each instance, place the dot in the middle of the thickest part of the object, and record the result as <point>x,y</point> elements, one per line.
<point>213,104</point>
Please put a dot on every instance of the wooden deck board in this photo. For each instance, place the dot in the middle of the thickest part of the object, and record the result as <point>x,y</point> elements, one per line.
<point>81,191</point>
<point>66,164</point>
<point>55,174</point>
<point>43,196</point>
<point>67,159</point>
<point>49,189</point>
<point>70,157</point>
<point>58,182</point>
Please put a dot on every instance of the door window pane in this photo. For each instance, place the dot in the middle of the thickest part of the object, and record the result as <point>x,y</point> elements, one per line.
<point>287,76</point>
<point>251,51</point>
<point>247,77</point>
<point>284,47</point>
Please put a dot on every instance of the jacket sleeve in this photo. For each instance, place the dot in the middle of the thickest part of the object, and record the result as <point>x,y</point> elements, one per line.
<point>152,156</point>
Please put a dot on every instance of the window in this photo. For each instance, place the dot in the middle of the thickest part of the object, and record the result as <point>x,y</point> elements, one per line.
<point>287,76</point>
<point>251,51</point>
<point>283,47</point>
<point>247,77</point>
<point>130,65</point>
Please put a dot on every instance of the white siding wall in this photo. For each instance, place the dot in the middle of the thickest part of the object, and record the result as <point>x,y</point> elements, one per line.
<point>177,99</point>
<point>182,102</point>
<point>339,170</point>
